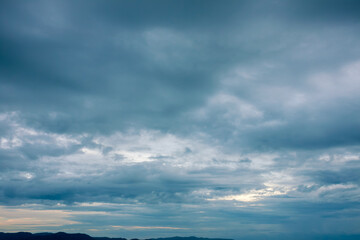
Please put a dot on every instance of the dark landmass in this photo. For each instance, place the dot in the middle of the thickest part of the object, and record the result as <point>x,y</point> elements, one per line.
<point>79,236</point>
<point>44,236</point>
<point>187,238</point>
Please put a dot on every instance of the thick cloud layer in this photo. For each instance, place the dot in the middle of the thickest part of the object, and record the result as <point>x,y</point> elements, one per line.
<point>235,119</point>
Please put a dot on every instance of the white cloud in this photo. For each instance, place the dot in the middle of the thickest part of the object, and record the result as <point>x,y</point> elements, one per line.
<point>19,134</point>
<point>256,194</point>
<point>230,108</point>
<point>344,82</point>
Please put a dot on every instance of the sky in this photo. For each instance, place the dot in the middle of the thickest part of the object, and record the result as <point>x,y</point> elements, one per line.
<point>232,119</point>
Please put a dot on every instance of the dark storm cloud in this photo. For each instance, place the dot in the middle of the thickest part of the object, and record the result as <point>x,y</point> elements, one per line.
<point>101,76</point>
<point>76,67</point>
<point>137,183</point>
<point>336,177</point>
<point>328,11</point>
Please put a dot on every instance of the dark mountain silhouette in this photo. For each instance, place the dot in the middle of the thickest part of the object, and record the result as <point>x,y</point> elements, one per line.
<point>107,238</point>
<point>44,236</point>
<point>78,236</point>
<point>187,238</point>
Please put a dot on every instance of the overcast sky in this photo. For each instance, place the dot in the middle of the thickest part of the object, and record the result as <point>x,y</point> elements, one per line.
<point>233,119</point>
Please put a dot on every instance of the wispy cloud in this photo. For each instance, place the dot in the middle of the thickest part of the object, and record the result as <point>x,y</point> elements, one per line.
<point>146,227</point>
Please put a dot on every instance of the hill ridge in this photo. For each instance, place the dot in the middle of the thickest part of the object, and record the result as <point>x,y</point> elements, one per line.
<point>82,236</point>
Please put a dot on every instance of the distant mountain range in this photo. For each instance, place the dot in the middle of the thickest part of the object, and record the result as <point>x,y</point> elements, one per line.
<point>79,236</point>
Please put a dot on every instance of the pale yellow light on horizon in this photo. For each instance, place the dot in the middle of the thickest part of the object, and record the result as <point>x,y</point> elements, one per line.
<point>26,219</point>
<point>255,195</point>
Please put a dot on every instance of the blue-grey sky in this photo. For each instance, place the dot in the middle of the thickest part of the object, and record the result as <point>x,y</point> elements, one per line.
<point>234,119</point>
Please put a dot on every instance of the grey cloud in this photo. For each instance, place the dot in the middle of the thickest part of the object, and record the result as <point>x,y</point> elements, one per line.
<point>336,177</point>
<point>161,110</point>
<point>109,77</point>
